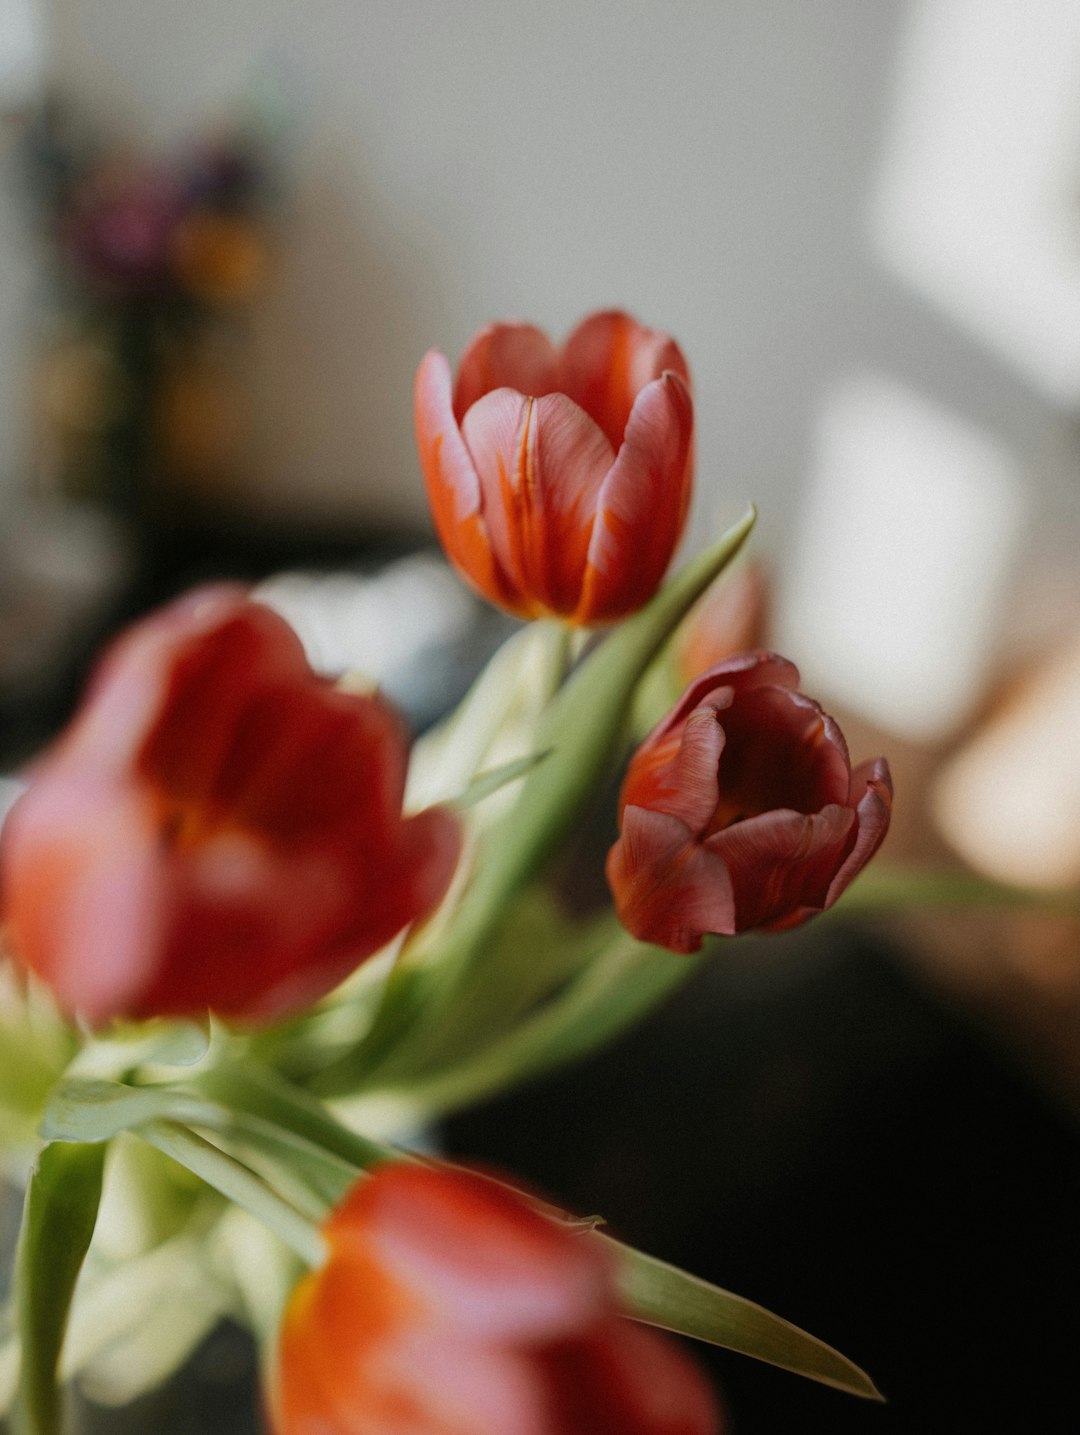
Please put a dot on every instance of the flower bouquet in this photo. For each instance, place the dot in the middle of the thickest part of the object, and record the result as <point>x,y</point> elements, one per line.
<point>257,947</point>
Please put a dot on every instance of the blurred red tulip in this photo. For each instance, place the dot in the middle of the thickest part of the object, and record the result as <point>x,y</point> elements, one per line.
<point>453,1305</point>
<point>218,828</point>
<point>740,810</point>
<point>559,478</point>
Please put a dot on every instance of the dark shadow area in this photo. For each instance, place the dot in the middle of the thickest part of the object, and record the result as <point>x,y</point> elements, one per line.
<point>805,1126</point>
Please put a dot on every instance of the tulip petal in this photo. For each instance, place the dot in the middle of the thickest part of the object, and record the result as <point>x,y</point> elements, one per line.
<point>721,684</point>
<point>731,618</point>
<point>249,854</point>
<point>481,1255</point>
<point>681,778</point>
<point>628,1379</point>
<point>453,1305</point>
<point>541,464</point>
<point>210,679</point>
<point>668,889</point>
<point>457,1387</point>
<point>606,362</point>
<point>642,504</point>
<point>452,483</point>
<point>82,890</point>
<point>133,681</point>
<point>872,794</point>
<point>781,751</point>
<point>505,356</point>
<point>783,861</point>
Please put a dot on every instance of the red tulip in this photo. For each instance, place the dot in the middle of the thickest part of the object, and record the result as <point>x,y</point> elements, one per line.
<point>452,1305</point>
<point>559,478</point>
<point>217,828</point>
<point>741,810</point>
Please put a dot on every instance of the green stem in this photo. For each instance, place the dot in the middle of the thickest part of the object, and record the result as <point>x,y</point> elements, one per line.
<point>259,1092</point>
<point>619,988</point>
<point>891,889</point>
<point>240,1185</point>
<point>582,726</point>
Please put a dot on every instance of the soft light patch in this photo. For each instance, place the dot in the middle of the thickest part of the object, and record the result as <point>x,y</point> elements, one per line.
<point>910,526</point>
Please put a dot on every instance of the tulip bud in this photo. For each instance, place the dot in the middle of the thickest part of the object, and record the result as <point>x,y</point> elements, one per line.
<point>741,810</point>
<point>559,479</point>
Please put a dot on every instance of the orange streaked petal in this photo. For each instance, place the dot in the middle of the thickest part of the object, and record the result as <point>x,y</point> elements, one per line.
<point>542,464</point>
<point>486,1316</point>
<point>453,486</point>
<point>642,504</point>
<point>606,362</point>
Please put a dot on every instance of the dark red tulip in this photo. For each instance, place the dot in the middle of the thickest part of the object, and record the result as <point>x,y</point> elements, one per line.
<point>741,810</point>
<point>453,1305</point>
<point>559,479</point>
<point>218,828</point>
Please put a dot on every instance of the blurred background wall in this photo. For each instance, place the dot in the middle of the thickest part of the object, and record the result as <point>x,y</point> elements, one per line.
<point>859,220</point>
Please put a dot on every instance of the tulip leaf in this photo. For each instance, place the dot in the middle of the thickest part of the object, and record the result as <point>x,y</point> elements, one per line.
<point>61,1208</point>
<point>583,724</point>
<point>415,1028</point>
<point>485,783</point>
<point>619,986</point>
<point>9,1373</point>
<point>660,1294</point>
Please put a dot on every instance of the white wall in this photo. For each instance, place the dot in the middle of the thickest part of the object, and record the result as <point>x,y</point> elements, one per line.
<point>724,168</point>
<point>701,163</point>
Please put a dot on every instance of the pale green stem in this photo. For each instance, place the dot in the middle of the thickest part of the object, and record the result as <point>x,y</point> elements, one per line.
<point>262,1093</point>
<point>619,988</point>
<point>235,1181</point>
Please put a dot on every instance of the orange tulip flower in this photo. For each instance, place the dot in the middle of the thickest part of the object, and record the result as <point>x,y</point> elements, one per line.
<point>218,828</point>
<point>741,810</point>
<point>559,478</point>
<point>453,1305</point>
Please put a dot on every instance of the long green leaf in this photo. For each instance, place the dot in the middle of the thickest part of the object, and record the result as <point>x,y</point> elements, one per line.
<point>627,980</point>
<point>58,1222</point>
<point>581,727</point>
<point>663,1295</point>
<point>234,1180</point>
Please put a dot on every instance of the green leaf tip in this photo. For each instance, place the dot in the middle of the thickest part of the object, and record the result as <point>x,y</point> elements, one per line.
<point>662,1295</point>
